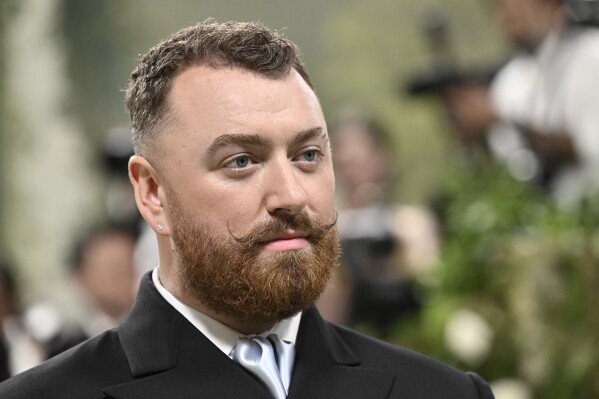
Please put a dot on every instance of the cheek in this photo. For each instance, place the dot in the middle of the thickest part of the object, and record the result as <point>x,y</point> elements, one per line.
<point>321,193</point>
<point>216,203</point>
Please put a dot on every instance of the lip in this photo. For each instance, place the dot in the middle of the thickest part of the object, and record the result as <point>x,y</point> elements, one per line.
<point>289,235</point>
<point>288,241</point>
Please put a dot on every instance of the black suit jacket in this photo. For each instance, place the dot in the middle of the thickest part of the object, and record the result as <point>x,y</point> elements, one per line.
<point>156,353</point>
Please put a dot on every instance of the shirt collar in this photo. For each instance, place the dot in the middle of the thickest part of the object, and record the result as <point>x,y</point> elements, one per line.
<point>219,334</point>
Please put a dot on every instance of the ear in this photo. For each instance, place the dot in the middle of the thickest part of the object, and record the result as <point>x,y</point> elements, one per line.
<point>149,194</point>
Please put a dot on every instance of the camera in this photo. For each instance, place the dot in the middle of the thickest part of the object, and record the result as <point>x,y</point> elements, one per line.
<point>583,12</point>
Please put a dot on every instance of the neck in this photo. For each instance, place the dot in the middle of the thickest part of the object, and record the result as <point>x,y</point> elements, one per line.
<point>170,282</point>
<point>245,328</point>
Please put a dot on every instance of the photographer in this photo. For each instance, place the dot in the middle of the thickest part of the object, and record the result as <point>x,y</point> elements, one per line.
<point>539,115</point>
<point>384,245</point>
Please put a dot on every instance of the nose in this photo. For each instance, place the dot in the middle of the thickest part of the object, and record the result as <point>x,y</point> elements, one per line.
<point>285,194</point>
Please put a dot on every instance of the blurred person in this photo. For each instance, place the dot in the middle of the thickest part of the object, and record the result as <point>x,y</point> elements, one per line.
<point>445,77</point>
<point>384,245</point>
<point>104,269</point>
<point>104,272</point>
<point>539,115</point>
<point>19,350</point>
<point>233,172</point>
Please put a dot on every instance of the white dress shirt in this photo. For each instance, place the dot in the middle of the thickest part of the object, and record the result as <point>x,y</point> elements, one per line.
<point>555,90</point>
<point>222,336</point>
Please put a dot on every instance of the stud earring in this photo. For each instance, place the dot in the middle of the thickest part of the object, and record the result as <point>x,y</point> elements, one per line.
<point>160,226</point>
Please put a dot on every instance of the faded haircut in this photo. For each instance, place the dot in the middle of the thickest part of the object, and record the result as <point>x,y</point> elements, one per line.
<point>249,46</point>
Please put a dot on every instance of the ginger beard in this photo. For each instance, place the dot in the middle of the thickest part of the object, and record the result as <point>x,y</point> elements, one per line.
<point>234,276</point>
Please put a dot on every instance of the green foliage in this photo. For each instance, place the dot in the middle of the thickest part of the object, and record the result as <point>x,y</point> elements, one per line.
<point>530,270</point>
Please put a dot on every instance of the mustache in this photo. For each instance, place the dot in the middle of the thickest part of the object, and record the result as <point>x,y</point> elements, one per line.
<point>314,228</point>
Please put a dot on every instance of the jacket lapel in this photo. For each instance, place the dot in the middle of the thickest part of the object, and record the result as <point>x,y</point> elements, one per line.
<point>170,358</point>
<point>202,371</point>
<point>326,368</point>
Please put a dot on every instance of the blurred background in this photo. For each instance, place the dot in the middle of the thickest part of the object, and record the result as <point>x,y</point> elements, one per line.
<point>453,245</point>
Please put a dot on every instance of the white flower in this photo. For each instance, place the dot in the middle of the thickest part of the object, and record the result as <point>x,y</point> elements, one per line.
<point>469,336</point>
<point>511,388</point>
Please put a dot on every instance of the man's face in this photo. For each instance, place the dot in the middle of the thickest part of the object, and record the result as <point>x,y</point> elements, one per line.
<point>248,186</point>
<point>359,160</point>
<point>526,22</point>
<point>108,273</point>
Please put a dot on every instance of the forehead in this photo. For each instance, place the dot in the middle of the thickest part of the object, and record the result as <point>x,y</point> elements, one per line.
<point>221,101</point>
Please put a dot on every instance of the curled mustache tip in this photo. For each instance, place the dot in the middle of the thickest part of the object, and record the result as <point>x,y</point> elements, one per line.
<point>331,225</point>
<point>237,239</point>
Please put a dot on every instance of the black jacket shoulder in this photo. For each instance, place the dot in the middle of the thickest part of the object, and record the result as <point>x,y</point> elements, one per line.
<point>417,375</point>
<point>80,372</point>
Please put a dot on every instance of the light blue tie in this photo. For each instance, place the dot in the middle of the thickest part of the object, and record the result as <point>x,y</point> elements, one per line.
<point>269,359</point>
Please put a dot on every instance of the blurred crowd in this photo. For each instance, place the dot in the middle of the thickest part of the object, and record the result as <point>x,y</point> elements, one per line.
<point>536,116</point>
<point>385,245</point>
<point>104,266</point>
<point>103,276</point>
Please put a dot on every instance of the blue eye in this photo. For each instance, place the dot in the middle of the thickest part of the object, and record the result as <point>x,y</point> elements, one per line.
<point>242,161</point>
<point>310,156</point>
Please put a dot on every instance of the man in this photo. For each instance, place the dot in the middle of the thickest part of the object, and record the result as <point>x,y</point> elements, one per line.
<point>383,244</point>
<point>539,115</point>
<point>103,268</point>
<point>233,171</point>
<point>104,271</point>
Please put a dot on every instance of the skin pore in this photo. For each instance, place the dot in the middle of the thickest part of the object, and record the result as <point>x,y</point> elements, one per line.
<point>243,151</point>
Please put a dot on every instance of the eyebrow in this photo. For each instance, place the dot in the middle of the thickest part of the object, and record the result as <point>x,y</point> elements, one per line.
<point>308,134</point>
<point>239,139</point>
<point>255,139</point>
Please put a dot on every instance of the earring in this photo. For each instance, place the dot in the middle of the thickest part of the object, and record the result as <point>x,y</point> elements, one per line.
<point>160,226</point>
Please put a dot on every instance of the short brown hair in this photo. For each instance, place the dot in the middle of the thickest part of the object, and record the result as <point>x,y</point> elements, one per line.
<point>245,45</point>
